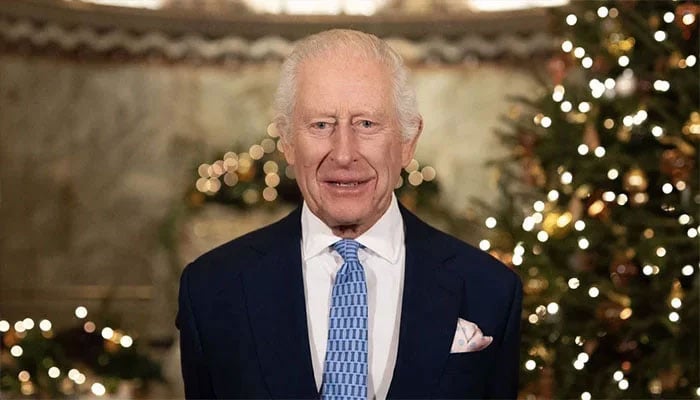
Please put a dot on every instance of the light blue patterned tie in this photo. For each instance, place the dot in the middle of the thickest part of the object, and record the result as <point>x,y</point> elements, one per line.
<point>345,372</point>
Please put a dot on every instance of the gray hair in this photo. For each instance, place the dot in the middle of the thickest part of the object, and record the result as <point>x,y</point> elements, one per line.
<point>372,46</point>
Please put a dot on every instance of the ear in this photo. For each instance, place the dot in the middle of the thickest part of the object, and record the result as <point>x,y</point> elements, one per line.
<point>408,147</point>
<point>280,128</point>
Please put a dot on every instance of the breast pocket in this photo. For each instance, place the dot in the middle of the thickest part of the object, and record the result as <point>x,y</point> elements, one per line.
<point>465,375</point>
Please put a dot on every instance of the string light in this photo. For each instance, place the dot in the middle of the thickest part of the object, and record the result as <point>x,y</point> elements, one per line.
<point>530,365</point>
<point>582,149</point>
<point>667,188</point>
<point>28,324</point>
<point>599,151</point>
<point>552,308</point>
<point>567,178</point>
<point>19,327</point>
<point>584,106</point>
<point>98,389</point>
<point>657,131</point>
<point>587,62</point>
<point>676,303</point>
<point>583,243</point>
<point>574,283</point>
<point>688,18</point>
<point>623,384</point>
<point>107,333</point>
<point>542,236</point>
<point>593,292</point>
<point>4,326</point>
<point>602,12</point>
<point>673,316</point>
<point>538,206</point>
<point>579,52</point>
<point>528,224</point>
<point>54,372</point>
<point>660,251</point>
<point>687,270</point>
<point>659,36</point>
<point>45,325</point>
<point>126,341</point>
<point>571,20</point>
<point>16,351</point>
<point>81,312</point>
<point>484,245</point>
<point>558,93</point>
<point>566,106</point>
<point>623,61</point>
<point>567,46</point>
<point>579,225</point>
<point>553,195</point>
<point>691,60</point>
<point>661,85</point>
<point>669,17</point>
<point>692,233</point>
<point>490,222</point>
<point>622,199</point>
<point>613,174</point>
<point>585,396</point>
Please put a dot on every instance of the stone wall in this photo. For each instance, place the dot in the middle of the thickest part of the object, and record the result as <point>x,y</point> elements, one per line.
<point>94,157</point>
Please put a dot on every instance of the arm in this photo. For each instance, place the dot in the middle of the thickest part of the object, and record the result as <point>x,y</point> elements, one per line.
<point>503,382</point>
<point>195,373</point>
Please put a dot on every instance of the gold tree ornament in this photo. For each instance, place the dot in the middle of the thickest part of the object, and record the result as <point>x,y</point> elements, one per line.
<point>691,129</point>
<point>635,180</point>
<point>676,165</point>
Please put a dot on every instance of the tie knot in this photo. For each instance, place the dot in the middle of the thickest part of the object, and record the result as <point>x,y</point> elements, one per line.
<point>347,248</point>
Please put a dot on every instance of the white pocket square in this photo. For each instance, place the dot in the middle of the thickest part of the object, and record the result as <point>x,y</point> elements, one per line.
<point>468,338</point>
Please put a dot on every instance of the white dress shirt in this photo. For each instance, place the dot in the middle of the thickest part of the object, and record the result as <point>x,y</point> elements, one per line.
<point>383,258</point>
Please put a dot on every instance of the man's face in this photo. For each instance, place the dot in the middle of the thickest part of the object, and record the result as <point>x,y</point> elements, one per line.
<point>345,143</point>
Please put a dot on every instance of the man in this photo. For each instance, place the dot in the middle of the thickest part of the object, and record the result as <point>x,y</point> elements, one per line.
<point>350,296</point>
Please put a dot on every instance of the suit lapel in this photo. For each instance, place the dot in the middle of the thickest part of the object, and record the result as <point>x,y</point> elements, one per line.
<point>274,290</point>
<point>430,308</point>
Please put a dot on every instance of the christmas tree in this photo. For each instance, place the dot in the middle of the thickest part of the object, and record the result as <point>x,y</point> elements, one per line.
<point>599,210</point>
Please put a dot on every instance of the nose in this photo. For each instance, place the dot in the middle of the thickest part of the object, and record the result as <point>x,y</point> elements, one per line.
<point>344,145</point>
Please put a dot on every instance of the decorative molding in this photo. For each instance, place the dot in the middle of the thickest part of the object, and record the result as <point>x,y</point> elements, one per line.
<point>175,35</point>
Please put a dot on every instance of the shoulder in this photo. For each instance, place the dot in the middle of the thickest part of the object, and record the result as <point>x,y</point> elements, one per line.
<point>229,259</point>
<point>473,265</point>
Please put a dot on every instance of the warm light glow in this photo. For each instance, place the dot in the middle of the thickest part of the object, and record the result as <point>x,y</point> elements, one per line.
<point>16,351</point>
<point>28,324</point>
<point>579,225</point>
<point>623,61</point>
<point>151,4</point>
<point>659,36</point>
<point>542,236</point>
<point>674,317</point>
<point>676,303</point>
<point>571,19</point>
<point>553,195</point>
<point>81,312</point>
<point>126,341</point>
<point>567,46</point>
<point>552,308</point>
<point>4,326</point>
<point>574,283</point>
<point>490,222</point>
<point>623,384</point>
<point>107,333</point>
<point>593,292</point>
<point>45,325</point>
<point>583,243</point>
<point>585,396</point>
<point>669,17</point>
<point>484,245</point>
<point>54,372</point>
<point>98,389</point>
<point>504,5</point>
<point>687,270</point>
<point>567,178</point>
<point>530,365</point>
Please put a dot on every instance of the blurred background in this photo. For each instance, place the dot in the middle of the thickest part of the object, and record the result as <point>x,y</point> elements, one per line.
<point>559,136</point>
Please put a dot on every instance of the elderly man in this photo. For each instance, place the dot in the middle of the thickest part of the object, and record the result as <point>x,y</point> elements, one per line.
<point>350,296</point>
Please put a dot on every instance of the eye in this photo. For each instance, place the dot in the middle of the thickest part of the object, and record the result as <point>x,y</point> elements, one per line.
<point>366,124</point>
<point>320,125</point>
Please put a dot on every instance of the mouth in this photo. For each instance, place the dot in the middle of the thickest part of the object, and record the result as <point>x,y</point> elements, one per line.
<point>346,184</point>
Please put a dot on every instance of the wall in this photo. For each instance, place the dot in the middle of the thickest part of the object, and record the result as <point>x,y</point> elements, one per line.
<point>95,156</point>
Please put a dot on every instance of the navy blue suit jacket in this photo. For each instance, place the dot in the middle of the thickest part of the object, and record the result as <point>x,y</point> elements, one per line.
<point>244,334</point>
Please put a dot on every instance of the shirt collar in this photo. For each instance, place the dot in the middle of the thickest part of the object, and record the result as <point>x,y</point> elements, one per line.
<point>385,238</point>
